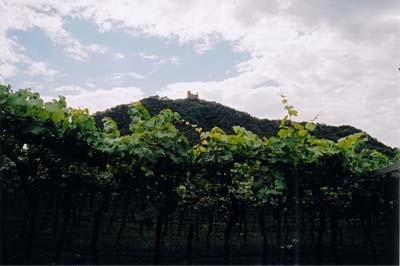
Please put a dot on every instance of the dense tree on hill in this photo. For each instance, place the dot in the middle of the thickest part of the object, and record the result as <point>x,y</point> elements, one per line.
<point>209,114</point>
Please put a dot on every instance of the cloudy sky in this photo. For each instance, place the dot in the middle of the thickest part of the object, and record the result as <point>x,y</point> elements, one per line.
<point>339,59</point>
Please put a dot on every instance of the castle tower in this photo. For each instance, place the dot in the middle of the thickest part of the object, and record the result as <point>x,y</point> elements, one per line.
<point>192,96</point>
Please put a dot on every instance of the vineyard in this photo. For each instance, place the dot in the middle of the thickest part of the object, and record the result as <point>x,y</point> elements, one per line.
<point>73,192</point>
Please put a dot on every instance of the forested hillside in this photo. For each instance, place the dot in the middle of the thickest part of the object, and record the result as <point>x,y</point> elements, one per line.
<point>209,114</point>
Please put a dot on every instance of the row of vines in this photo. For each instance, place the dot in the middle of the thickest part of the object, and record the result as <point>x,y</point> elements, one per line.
<point>63,177</point>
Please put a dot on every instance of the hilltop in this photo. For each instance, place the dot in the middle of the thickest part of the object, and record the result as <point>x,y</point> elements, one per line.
<point>209,114</point>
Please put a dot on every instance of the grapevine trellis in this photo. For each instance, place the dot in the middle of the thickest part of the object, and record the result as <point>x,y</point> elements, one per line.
<point>60,171</point>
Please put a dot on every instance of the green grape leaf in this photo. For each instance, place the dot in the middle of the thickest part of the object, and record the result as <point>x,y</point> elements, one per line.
<point>36,130</point>
<point>57,116</point>
<point>279,184</point>
<point>302,132</point>
<point>283,133</point>
<point>310,126</point>
<point>43,115</point>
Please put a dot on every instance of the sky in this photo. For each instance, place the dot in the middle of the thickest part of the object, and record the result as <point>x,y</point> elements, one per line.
<point>337,59</point>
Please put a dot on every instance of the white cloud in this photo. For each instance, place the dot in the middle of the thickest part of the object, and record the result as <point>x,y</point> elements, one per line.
<point>26,15</point>
<point>10,54</point>
<point>90,84</point>
<point>99,100</point>
<point>161,60</point>
<point>169,60</point>
<point>34,85</point>
<point>118,78</point>
<point>148,56</point>
<point>41,69</point>
<point>67,89</point>
<point>118,56</point>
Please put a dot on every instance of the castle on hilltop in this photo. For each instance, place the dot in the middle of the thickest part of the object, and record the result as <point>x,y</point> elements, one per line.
<point>192,96</point>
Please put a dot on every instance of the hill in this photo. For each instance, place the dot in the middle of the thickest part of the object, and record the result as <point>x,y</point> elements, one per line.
<point>209,114</point>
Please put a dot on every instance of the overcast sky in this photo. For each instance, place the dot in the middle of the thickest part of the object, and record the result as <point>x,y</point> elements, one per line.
<point>339,59</point>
